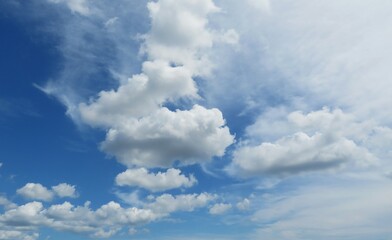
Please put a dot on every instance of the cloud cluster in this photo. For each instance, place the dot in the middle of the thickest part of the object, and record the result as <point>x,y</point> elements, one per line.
<point>38,192</point>
<point>21,222</point>
<point>141,132</point>
<point>320,140</point>
<point>160,181</point>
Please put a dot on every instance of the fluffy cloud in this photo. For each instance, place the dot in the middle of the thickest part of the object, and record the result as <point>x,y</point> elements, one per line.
<point>38,192</point>
<point>160,181</point>
<point>193,136</point>
<point>22,221</point>
<point>35,191</point>
<point>80,219</point>
<point>243,205</point>
<point>299,153</point>
<point>168,203</point>
<point>318,140</point>
<point>140,95</point>
<point>140,131</point>
<point>179,33</point>
<point>219,208</point>
<point>65,190</point>
<point>7,204</point>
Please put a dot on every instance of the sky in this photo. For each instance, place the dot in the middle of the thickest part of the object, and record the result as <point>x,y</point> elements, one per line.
<point>195,119</point>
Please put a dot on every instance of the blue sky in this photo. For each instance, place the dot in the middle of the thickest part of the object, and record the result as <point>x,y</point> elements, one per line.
<point>184,119</point>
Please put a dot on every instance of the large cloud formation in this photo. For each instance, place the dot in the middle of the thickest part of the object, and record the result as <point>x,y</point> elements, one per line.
<point>141,132</point>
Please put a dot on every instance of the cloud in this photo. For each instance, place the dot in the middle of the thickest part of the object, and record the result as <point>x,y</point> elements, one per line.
<point>76,6</point>
<point>141,131</point>
<point>7,204</point>
<point>12,235</point>
<point>168,203</point>
<point>38,192</point>
<point>104,222</point>
<point>35,191</point>
<point>243,205</point>
<point>319,140</point>
<point>65,190</point>
<point>160,181</point>
<point>348,208</point>
<point>140,95</point>
<point>179,33</point>
<point>299,153</point>
<point>219,208</point>
<point>163,138</point>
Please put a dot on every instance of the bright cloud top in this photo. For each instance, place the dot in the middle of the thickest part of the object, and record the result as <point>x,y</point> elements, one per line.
<point>160,181</point>
<point>320,140</point>
<point>38,192</point>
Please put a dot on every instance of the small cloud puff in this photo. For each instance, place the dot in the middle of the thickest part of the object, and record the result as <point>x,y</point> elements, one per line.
<point>37,191</point>
<point>160,181</point>
<point>220,208</point>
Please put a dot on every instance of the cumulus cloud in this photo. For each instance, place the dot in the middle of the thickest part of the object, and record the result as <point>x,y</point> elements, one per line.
<point>140,131</point>
<point>319,140</point>
<point>65,190</point>
<point>179,33</point>
<point>21,222</point>
<point>7,204</point>
<point>35,191</point>
<point>39,192</point>
<point>160,181</point>
<point>168,203</point>
<point>299,153</point>
<point>220,208</point>
<point>159,140</point>
<point>102,222</point>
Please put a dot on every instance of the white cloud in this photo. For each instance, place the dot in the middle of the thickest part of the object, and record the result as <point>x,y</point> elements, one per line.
<point>35,191</point>
<point>141,132</point>
<point>103,222</point>
<point>159,140</point>
<point>38,192</point>
<point>299,153</point>
<point>141,95</point>
<point>168,203</point>
<point>219,208</point>
<point>65,190</point>
<point>7,203</point>
<point>349,209</point>
<point>106,221</point>
<point>160,181</point>
<point>78,6</point>
<point>319,140</point>
<point>179,33</point>
<point>243,205</point>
